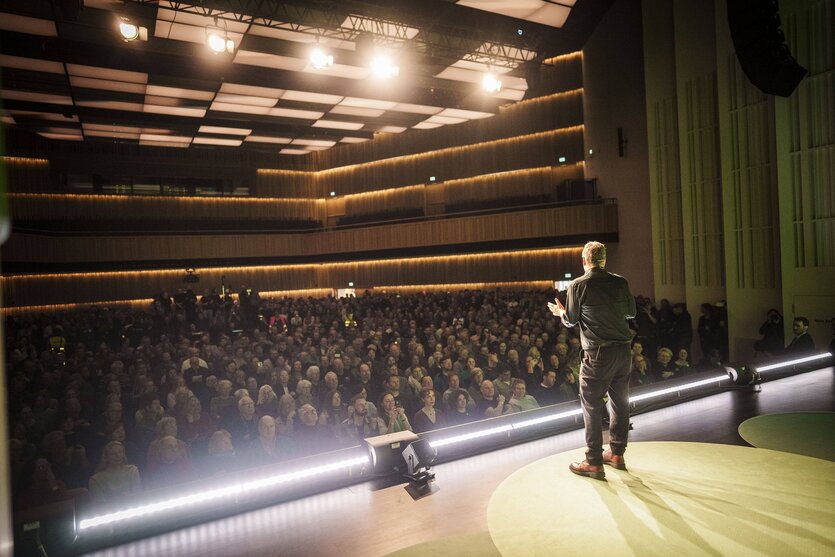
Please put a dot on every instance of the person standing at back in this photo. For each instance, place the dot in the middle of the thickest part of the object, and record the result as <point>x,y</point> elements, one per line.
<point>600,303</point>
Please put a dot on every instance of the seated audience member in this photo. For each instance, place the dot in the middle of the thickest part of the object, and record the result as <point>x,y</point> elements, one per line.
<point>309,436</point>
<point>284,385</point>
<point>244,425</point>
<point>269,447</point>
<point>427,383</point>
<point>459,413</point>
<point>170,466</point>
<point>221,457</point>
<point>195,427</point>
<point>42,488</point>
<point>547,392</point>
<point>532,372</point>
<point>802,342</point>
<point>664,367</point>
<point>115,478</point>
<point>286,415</point>
<point>640,371</point>
<point>428,417</point>
<point>474,389</point>
<point>521,400</point>
<point>133,452</point>
<point>304,394</point>
<point>682,364</point>
<point>166,427</point>
<point>68,464</point>
<point>401,399</point>
<point>503,385</point>
<point>334,411</point>
<point>488,404</point>
<point>359,424</point>
<point>194,371</point>
<point>252,387</point>
<point>454,386</point>
<point>150,412</point>
<point>224,403</point>
<point>712,360</point>
<point>267,404</point>
<point>772,331</point>
<point>393,417</point>
<point>416,374</point>
<point>568,383</point>
<point>331,385</point>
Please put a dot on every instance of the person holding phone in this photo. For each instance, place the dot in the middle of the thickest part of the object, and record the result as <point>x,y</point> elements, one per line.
<point>600,303</point>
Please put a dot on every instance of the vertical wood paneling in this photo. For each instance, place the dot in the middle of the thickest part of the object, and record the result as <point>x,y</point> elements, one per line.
<point>701,136</point>
<point>811,120</point>
<point>753,182</point>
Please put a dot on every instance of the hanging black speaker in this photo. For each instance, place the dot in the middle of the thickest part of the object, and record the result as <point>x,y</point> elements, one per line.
<point>761,46</point>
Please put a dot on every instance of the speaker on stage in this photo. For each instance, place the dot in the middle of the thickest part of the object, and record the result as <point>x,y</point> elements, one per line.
<point>761,46</point>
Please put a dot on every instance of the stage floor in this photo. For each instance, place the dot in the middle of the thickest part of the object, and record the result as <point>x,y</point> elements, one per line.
<point>373,520</point>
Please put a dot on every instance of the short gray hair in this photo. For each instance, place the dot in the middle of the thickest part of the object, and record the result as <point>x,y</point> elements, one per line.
<point>594,253</point>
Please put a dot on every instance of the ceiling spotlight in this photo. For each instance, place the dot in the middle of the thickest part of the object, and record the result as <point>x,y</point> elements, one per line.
<point>319,59</point>
<point>131,31</point>
<point>382,67</point>
<point>491,84</point>
<point>218,41</point>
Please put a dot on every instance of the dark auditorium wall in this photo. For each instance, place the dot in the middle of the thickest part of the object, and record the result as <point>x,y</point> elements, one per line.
<point>613,80</point>
<point>740,181</point>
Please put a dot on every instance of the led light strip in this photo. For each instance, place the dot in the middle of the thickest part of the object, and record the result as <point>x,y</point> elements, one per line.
<point>567,414</point>
<point>677,388</point>
<point>236,489</point>
<point>469,436</point>
<point>794,362</point>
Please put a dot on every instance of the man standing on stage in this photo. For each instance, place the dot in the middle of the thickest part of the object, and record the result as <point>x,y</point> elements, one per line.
<point>600,302</point>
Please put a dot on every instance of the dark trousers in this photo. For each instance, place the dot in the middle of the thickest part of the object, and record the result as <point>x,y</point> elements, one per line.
<point>605,370</point>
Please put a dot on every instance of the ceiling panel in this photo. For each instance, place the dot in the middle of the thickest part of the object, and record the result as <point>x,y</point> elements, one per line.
<point>30,25</point>
<point>46,66</point>
<point>268,85</point>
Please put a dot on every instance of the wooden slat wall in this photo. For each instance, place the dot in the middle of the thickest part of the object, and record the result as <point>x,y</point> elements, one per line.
<point>42,207</point>
<point>558,110</point>
<point>550,222</point>
<point>532,150</point>
<point>32,290</point>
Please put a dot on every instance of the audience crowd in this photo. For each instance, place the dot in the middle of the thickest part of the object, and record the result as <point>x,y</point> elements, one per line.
<point>114,401</point>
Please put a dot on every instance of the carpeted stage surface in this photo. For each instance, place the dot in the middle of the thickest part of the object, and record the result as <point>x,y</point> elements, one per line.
<point>805,433</point>
<point>675,499</point>
<point>475,544</point>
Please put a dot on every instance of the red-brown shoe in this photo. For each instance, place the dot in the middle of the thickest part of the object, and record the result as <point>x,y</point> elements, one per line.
<point>585,469</point>
<point>614,460</point>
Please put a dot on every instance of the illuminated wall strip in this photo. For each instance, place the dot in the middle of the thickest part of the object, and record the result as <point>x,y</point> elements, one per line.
<point>316,174</point>
<point>789,363</point>
<point>161,198</point>
<point>306,293</point>
<point>24,160</point>
<point>563,58</point>
<point>57,308</point>
<point>176,273</point>
<point>417,288</point>
<point>214,494</point>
